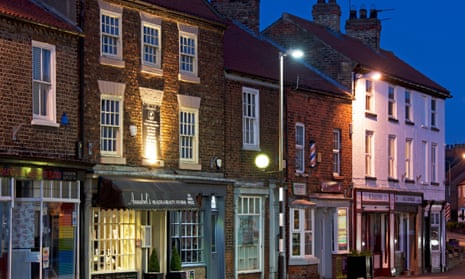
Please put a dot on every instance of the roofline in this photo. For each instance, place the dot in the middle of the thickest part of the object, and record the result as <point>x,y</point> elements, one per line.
<point>18,18</point>
<point>407,83</point>
<point>167,10</point>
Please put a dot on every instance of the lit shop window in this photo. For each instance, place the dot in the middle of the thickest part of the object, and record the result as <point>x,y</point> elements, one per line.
<point>113,240</point>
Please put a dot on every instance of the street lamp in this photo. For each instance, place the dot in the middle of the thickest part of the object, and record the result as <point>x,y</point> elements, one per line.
<point>282,211</point>
<point>450,166</point>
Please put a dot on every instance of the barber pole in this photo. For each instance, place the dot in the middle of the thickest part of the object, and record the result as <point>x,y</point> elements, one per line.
<point>312,146</point>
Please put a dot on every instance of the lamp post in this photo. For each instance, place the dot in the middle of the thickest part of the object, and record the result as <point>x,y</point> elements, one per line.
<point>282,193</point>
<point>450,166</point>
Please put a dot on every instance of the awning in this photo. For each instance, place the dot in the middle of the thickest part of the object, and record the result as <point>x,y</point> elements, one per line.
<point>140,193</point>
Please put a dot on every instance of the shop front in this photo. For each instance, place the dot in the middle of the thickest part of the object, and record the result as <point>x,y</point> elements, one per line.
<point>388,225</point>
<point>39,213</point>
<point>131,217</point>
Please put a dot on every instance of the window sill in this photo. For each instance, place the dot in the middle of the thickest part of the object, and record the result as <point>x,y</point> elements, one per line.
<point>112,61</point>
<point>434,183</point>
<point>435,129</point>
<point>251,148</point>
<point>188,77</point>
<point>372,115</point>
<point>409,122</point>
<point>409,181</point>
<point>395,180</point>
<point>113,160</point>
<point>43,122</point>
<point>306,260</point>
<point>372,178</point>
<point>189,166</point>
<point>151,70</point>
<point>393,120</point>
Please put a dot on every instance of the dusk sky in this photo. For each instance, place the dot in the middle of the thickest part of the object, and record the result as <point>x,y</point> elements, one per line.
<point>428,35</point>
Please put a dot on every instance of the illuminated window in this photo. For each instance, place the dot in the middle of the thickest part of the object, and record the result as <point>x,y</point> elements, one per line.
<point>301,230</point>
<point>409,159</point>
<point>392,156</point>
<point>113,240</point>
<point>341,230</point>
<point>249,234</point>
<point>369,160</point>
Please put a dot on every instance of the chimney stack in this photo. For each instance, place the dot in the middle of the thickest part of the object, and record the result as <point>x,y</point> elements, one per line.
<point>247,12</point>
<point>327,14</point>
<point>365,28</point>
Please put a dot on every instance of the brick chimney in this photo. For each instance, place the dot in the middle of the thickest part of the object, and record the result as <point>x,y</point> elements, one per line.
<point>365,28</point>
<point>327,14</point>
<point>246,12</point>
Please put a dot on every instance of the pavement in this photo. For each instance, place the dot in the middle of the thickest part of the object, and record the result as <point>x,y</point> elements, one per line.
<point>456,272</point>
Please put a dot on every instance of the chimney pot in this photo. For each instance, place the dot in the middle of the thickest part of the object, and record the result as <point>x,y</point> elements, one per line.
<point>363,13</point>
<point>373,13</point>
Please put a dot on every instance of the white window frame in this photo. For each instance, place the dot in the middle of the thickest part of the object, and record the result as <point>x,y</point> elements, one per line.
<point>186,230</point>
<point>392,158</point>
<point>425,162</point>
<point>299,147</point>
<point>434,107</point>
<point>153,43</point>
<point>189,105</point>
<point>112,91</point>
<point>425,112</point>
<point>369,95</point>
<point>434,163</point>
<point>392,107</point>
<point>408,106</point>
<point>341,230</point>
<point>250,118</point>
<point>409,159</point>
<point>369,154</point>
<point>46,115</point>
<point>113,228</point>
<point>106,57</point>
<point>336,152</point>
<point>190,33</point>
<point>302,230</point>
<point>249,253</point>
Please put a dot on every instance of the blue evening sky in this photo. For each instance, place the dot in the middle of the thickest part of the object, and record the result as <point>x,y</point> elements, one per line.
<point>429,35</point>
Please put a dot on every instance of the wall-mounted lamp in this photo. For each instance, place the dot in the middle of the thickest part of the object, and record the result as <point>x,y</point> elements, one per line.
<point>370,75</point>
<point>133,130</point>
<point>213,201</point>
<point>262,161</point>
<point>216,162</point>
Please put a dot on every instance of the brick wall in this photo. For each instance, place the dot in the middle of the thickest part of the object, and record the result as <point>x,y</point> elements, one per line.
<point>16,89</point>
<point>210,88</point>
<point>241,162</point>
<point>320,114</point>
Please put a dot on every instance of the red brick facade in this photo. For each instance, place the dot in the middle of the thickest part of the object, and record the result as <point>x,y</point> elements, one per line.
<point>20,138</point>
